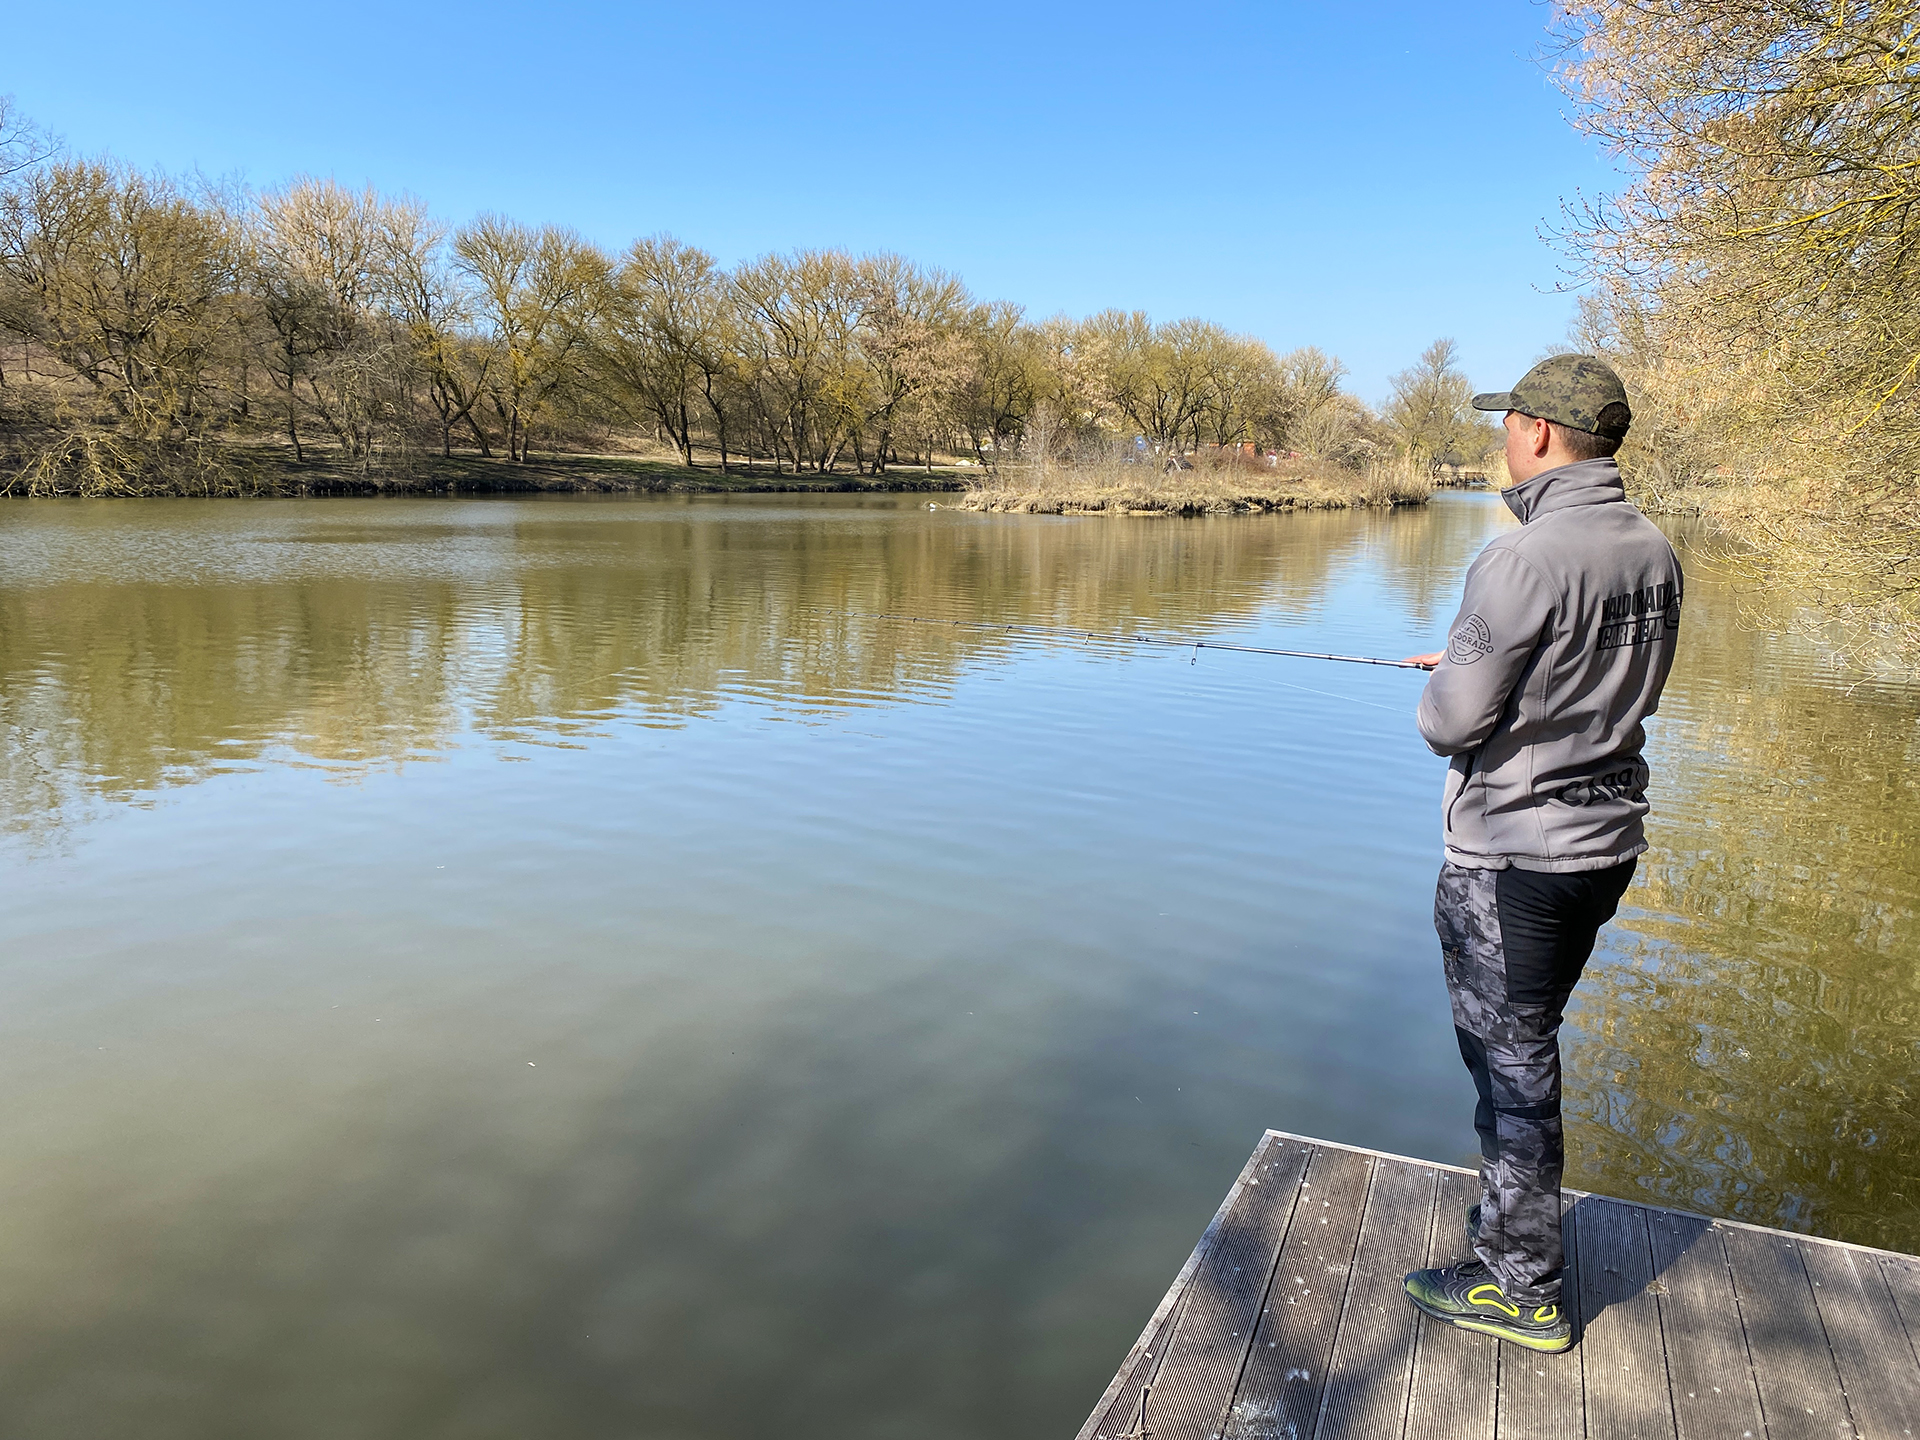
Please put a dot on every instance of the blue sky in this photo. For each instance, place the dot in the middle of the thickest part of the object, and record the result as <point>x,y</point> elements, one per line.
<point>1363,177</point>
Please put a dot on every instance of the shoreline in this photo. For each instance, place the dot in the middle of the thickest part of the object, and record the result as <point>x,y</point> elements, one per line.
<point>243,474</point>
<point>1226,490</point>
<point>266,473</point>
<point>1177,509</point>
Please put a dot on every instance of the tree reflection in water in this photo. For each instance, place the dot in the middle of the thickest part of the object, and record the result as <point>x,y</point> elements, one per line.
<point>1747,1042</point>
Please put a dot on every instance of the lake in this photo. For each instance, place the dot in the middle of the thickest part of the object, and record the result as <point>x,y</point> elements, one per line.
<point>571,967</point>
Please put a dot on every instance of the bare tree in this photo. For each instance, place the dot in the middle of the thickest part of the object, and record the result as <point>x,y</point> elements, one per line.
<point>128,280</point>
<point>912,349</point>
<point>662,342</point>
<point>1431,411</point>
<point>997,389</point>
<point>378,329</point>
<point>23,144</point>
<point>433,300</point>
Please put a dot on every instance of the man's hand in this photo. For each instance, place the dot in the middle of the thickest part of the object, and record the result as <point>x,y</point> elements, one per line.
<point>1425,662</point>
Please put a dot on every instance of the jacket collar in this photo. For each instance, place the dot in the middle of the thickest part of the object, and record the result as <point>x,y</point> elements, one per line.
<point>1585,482</point>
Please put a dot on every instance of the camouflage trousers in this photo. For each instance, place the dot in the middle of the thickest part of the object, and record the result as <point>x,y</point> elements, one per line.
<point>1514,943</point>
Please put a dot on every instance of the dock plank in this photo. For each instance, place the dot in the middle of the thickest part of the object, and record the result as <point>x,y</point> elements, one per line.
<point>1869,1345</point>
<point>1210,1343</point>
<point>1543,1397</point>
<point>1902,1274</point>
<point>1372,1364</point>
<point>1799,1386</point>
<point>1622,1357</point>
<point>1122,1415</point>
<point>1709,1372</point>
<point>1280,1389</point>
<point>1118,1411</point>
<point>1288,1322</point>
<point>1452,1396</point>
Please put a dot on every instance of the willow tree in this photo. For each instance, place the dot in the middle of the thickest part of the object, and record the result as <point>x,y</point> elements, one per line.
<point>644,351</point>
<point>1760,273</point>
<point>800,317</point>
<point>434,301</point>
<point>539,292</point>
<point>333,273</point>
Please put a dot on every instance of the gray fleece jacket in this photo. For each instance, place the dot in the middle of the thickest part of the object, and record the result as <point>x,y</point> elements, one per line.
<point>1564,639</point>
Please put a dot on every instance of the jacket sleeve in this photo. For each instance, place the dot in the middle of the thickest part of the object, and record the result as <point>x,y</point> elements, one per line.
<point>1505,610</point>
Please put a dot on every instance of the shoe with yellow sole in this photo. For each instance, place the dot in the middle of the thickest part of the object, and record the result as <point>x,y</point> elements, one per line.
<point>1468,1297</point>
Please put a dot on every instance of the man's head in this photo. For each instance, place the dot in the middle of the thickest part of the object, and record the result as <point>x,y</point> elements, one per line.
<point>1567,408</point>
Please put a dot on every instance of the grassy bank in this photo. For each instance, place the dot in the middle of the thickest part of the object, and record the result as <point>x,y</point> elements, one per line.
<point>1849,552</point>
<point>1142,489</point>
<point>243,470</point>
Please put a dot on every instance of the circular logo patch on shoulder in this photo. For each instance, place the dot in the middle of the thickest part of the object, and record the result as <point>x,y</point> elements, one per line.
<point>1470,640</point>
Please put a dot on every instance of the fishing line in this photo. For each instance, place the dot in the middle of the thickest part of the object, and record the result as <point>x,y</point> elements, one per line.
<point>1354,699</point>
<point>1115,637</point>
<point>1196,646</point>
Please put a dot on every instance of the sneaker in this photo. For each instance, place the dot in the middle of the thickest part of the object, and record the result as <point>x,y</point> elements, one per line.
<point>1467,1296</point>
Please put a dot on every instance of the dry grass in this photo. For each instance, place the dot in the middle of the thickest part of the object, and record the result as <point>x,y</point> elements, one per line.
<point>84,460</point>
<point>1114,488</point>
<point>87,460</point>
<point>1488,474</point>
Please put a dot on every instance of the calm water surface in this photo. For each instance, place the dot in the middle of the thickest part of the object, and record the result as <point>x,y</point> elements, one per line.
<point>564,968</point>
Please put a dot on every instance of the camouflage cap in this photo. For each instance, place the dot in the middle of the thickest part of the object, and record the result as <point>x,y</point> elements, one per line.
<point>1577,391</point>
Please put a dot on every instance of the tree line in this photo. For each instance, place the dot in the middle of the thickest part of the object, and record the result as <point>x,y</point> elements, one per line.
<point>177,326</point>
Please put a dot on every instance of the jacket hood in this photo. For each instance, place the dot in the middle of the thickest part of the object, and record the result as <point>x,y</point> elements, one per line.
<point>1585,482</point>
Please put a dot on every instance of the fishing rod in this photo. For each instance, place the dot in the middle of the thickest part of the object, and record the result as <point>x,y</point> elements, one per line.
<point>1016,627</point>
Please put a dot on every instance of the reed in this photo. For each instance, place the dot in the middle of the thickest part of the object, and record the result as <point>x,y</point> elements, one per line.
<point>1115,485</point>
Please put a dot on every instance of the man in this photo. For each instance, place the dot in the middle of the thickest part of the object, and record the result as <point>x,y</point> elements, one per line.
<point>1564,639</point>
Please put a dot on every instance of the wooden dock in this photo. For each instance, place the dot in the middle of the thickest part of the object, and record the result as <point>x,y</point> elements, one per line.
<point>1289,1323</point>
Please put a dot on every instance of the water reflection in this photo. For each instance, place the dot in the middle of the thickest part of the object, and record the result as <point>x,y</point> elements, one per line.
<point>206,638</point>
<point>1751,1046</point>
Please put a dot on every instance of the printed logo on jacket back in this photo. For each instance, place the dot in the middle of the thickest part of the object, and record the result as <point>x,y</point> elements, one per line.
<point>1470,640</point>
<point>1639,617</point>
<point>1629,783</point>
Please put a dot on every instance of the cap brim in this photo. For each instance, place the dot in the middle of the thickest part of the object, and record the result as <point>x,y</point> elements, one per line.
<point>1503,400</point>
